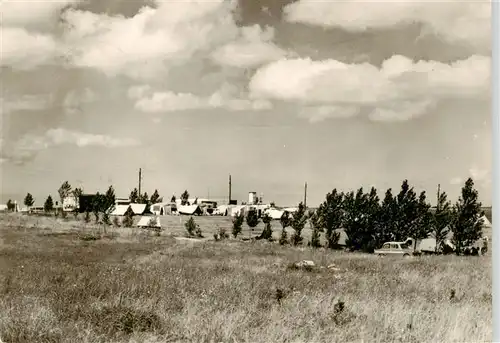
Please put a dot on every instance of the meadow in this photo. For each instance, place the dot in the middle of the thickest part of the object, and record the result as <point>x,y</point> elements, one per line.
<point>65,281</point>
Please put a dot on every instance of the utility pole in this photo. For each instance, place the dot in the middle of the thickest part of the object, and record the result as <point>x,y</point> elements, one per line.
<point>438,196</point>
<point>229,189</point>
<point>305,195</point>
<point>140,179</point>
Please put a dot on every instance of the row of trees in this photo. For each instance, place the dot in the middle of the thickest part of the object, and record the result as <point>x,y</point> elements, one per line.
<point>369,221</point>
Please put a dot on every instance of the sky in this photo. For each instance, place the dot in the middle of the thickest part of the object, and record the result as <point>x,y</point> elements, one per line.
<point>338,94</point>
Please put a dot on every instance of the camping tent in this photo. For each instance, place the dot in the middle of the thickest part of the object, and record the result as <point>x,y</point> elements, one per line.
<point>274,213</point>
<point>163,208</point>
<point>189,209</point>
<point>138,208</point>
<point>149,221</point>
<point>119,210</point>
<point>486,222</point>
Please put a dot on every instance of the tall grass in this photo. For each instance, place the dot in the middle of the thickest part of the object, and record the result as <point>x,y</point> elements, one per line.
<point>130,286</point>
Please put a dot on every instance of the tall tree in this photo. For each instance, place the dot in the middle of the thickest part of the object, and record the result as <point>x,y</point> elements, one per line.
<point>134,196</point>
<point>297,223</point>
<point>77,192</point>
<point>330,216</point>
<point>442,219</point>
<point>406,211</point>
<point>467,225</point>
<point>48,206</point>
<point>155,197</point>
<point>64,191</point>
<point>29,200</point>
<point>109,199</point>
<point>357,221</point>
<point>385,224</point>
<point>421,226</point>
<point>173,199</point>
<point>184,197</point>
<point>143,198</point>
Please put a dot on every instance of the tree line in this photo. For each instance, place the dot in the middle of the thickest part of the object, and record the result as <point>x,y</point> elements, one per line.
<point>369,221</point>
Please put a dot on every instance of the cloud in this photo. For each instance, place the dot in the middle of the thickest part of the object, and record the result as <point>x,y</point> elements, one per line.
<point>25,103</point>
<point>62,136</point>
<point>400,89</point>
<point>166,101</point>
<point>319,113</point>
<point>152,41</point>
<point>252,49</point>
<point>75,99</point>
<point>24,50</point>
<point>26,148</point>
<point>479,175</point>
<point>456,181</point>
<point>26,43</point>
<point>22,13</point>
<point>454,21</point>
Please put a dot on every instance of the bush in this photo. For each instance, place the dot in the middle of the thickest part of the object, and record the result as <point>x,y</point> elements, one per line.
<point>191,227</point>
<point>267,233</point>
<point>221,234</point>
<point>237,224</point>
<point>284,237</point>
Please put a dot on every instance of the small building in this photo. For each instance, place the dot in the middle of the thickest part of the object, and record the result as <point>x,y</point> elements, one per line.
<point>69,204</point>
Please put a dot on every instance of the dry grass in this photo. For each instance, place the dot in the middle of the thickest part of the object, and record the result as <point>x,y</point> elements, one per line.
<point>60,282</point>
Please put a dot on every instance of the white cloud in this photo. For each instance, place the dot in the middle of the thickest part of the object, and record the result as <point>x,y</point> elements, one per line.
<point>62,136</point>
<point>399,90</point>
<point>319,113</point>
<point>479,174</point>
<point>24,50</point>
<point>30,145</point>
<point>150,42</point>
<point>456,181</point>
<point>174,102</point>
<point>252,49</point>
<point>454,21</point>
<point>24,44</point>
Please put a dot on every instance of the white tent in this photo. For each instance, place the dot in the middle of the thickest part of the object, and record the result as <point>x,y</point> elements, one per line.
<point>274,213</point>
<point>149,221</point>
<point>119,210</point>
<point>486,222</point>
<point>138,208</point>
<point>163,208</point>
<point>188,209</point>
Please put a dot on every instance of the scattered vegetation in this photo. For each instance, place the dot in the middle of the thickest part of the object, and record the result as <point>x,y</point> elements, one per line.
<point>237,224</point>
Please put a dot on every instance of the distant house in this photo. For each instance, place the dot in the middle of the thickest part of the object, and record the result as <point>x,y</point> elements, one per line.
<point>69,204</point>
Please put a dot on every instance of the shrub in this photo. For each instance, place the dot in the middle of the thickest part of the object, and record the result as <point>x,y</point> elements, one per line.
<point>191,227</point>
<point>237,224</point>
<point>284,237</point>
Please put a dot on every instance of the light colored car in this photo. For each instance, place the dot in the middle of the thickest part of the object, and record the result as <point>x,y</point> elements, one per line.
<point>395,249</point>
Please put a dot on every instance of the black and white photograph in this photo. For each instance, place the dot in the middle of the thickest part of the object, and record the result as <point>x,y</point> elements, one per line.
<point>246,171</point>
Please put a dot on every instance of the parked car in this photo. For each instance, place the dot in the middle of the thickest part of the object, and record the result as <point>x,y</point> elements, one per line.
<point>395,249</point>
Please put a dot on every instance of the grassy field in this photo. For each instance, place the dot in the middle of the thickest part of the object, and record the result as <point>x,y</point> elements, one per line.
<point>62,281</point>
